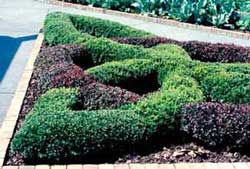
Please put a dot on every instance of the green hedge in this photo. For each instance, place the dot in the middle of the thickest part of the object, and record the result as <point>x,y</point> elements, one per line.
<point>104,50</point>
<point>171,51</point>
<point>147,60</point>
<point>228,87</point>
<point>54,131</point>
<point>224,82</point>
<point>62,28</point>
<point>58,29</point>
<point>164,108</point>
<point>105,28</point>
<point>115,72</point>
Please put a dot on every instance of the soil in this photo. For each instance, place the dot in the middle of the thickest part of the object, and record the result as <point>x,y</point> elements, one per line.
<point>161,151</point>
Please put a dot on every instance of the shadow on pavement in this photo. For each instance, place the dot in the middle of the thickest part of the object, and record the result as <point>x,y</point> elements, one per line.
<point>8,48</point>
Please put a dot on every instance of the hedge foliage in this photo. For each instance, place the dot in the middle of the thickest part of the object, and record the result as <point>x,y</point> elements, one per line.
<point>61,28</point>
<point>228,87</point>
<point>105,28</point>
<point>55,67</point>
<point>91,118</point>
<point>224,83</point>
<point>152,61</point>
<point>87,132</point>
<point>104,50</point>
<point>203,51</point>
<point>54,131</point>
<point>218,125</point>
<point>114,72</point>
<point>58,29</point>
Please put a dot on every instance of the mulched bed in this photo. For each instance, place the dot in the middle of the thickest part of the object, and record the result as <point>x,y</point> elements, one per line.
<point>184,153</point>
<point>162,151</point>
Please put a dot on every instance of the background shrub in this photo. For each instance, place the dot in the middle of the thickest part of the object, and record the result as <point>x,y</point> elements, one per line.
<point>218,125</point>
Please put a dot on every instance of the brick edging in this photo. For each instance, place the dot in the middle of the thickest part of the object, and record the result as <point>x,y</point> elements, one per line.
<point>139,166</point>
<point>213,30</point>
<point>9,123</point>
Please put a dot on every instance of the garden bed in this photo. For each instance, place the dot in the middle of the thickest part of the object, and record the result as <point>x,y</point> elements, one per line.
<point>236,24</point>
<point>103,92</point>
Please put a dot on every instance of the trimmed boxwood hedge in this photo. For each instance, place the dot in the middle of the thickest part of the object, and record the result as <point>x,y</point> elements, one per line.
<point>152,60</point>
<point>57,130</point>
<point>104,50</point>
<point>105,28</point>
<point>228,87</point>
<point>224,83</point>
<point>61,28</point>
<point>54,131</point>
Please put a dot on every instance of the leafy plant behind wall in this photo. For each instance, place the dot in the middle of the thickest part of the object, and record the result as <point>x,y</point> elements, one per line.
<point>220,11</point>
<point>228,14</point>
<point>244,22</point>
<point>150,7</point>
<point>180,9</point>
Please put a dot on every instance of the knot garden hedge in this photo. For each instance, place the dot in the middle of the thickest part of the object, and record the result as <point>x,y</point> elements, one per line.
<point>65,123</point>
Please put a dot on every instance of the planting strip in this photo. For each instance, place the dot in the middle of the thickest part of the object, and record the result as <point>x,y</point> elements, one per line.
<point>234,34</point>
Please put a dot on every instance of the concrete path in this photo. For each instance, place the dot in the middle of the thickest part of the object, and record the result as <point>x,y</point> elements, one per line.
<point>20,21</point>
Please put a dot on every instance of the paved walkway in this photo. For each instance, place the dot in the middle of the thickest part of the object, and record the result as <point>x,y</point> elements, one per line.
<point>21,20</point>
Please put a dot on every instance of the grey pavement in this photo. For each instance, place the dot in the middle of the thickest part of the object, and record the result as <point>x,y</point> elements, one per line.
<point>21,20</point>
